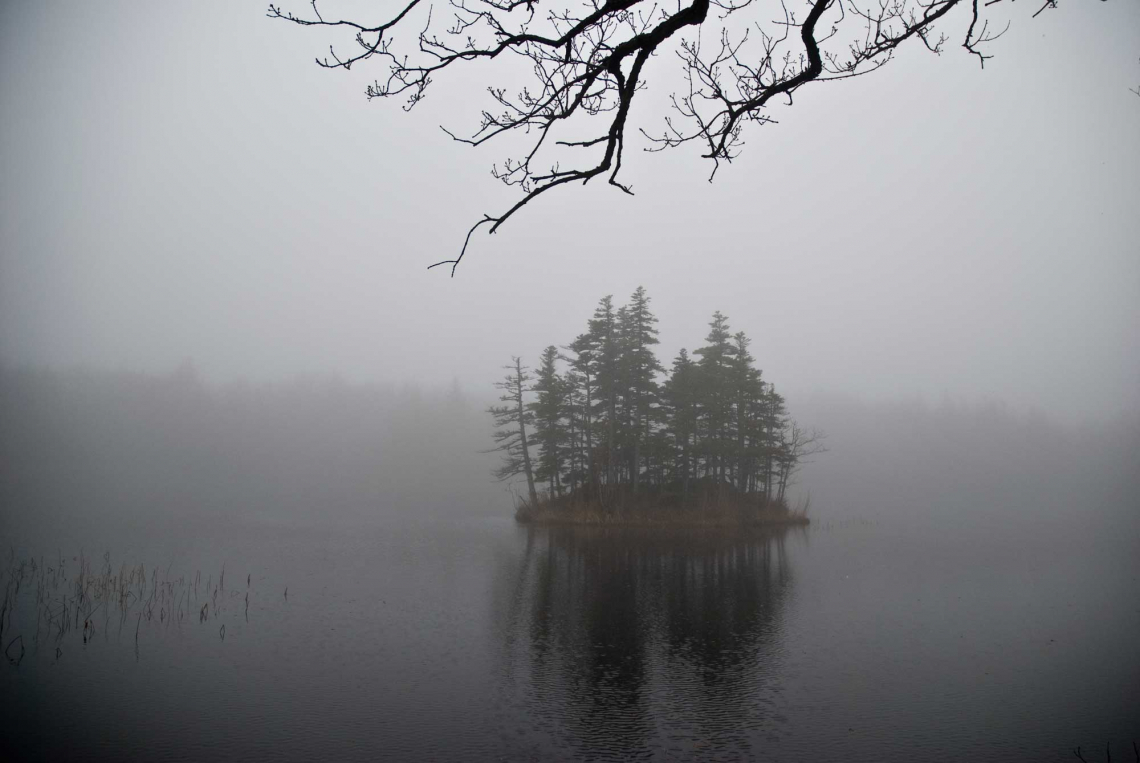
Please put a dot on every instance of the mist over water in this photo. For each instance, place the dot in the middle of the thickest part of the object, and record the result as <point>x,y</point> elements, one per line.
<point>83,446</point>
<point>967,588</point>
<point>247,509</point>
<point>88,445</point>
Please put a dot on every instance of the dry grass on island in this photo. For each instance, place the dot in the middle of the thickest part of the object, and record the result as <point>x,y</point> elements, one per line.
<point>723,507</point>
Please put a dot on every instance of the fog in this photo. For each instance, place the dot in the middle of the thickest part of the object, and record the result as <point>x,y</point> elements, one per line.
<point>89,449</point>
<point>214,296</point>
<point>245,478</point>
<point>188,185</point>
<point>226,365</point>
<point>129,446</point>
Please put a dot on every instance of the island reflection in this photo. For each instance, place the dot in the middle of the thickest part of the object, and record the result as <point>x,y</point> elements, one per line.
<point>628,642</point>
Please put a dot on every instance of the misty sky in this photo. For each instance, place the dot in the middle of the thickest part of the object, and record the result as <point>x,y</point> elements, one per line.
<point>180,181</point>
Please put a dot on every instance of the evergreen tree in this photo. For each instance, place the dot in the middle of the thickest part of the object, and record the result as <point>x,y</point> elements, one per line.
<point>774,421</point>
<point>715,398</point>
<point>681,405</point>
<point>583,366</point>
<point>608,420</point>
<point>747,391</point>
<point>550,430</point>
<point>605,349</point>
<point>623,429</point>
<point>639,335</point>
<point>577,434</point>
<point>511,421</point>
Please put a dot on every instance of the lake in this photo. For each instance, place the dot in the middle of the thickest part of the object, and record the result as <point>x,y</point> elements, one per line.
<point>478,639</point>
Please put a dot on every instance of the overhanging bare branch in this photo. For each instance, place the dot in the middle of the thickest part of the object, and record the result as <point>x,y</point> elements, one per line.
<point>585,60</point>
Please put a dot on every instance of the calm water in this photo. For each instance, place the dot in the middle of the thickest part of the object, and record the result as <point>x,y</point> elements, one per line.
<point>480,640</point>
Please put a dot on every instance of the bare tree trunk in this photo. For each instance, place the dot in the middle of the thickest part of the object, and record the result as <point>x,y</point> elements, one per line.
<point>768,459</point>
<point>522,433</point>
<point>685,468</point>
<point>590,466</point>
<point>636,465</point>
<point>611,460</point>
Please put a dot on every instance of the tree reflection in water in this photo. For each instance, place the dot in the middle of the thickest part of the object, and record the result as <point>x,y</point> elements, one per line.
<point>633,642</point>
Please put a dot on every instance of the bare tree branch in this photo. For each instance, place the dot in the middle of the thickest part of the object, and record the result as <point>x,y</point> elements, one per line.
<point>586,60</point>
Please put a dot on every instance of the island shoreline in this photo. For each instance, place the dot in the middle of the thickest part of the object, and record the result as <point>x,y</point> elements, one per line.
<point>626,510</point>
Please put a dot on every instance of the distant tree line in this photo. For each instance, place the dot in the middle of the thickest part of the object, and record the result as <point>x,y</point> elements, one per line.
<point>602,415</point>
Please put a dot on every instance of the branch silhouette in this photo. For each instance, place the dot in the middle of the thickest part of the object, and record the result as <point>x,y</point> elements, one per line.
<point>585,62</point>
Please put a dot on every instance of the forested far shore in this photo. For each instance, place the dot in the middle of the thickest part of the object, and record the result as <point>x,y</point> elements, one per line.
<point>600,431</point>
<point>77,443</point>
<point>82,451</point>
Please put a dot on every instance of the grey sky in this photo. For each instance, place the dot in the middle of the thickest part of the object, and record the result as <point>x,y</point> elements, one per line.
<point>180,181</point>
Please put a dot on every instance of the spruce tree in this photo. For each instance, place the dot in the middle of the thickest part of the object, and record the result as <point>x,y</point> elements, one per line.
<point>715,394</point>
<point>774,421</point>
<point>680,402</point>
<point>639,335</point>
<point>577,439</point>
<point>511,421</point>
<point>711,418</point>
<point>603,340</point>
<point>583,365</point>
<point>550,431</point>
<point>747,391</point>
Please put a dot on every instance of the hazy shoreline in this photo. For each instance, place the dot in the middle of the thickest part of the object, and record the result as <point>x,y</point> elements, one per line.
<point>654,509</point>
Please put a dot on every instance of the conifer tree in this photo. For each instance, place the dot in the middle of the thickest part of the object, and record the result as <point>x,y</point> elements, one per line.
<point>747,391</point>
<point>608,420</point>
<point>715,394</point>
<point>577,434</point>
<point>511,421</point>
<point>623,430</point>
<point>639,335</point>
<point>603,339</point>
<point>583,364</point>
<point>774,418</point>
<point>550,430</point>
<point>680,401</point>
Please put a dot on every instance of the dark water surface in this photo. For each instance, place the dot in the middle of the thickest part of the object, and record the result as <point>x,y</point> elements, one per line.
<point>480,640</point>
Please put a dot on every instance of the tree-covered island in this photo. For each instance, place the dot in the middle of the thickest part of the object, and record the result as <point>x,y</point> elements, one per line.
<point>602,433</point>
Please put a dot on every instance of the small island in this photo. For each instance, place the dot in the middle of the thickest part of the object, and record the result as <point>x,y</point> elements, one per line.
<point>619,440</point>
